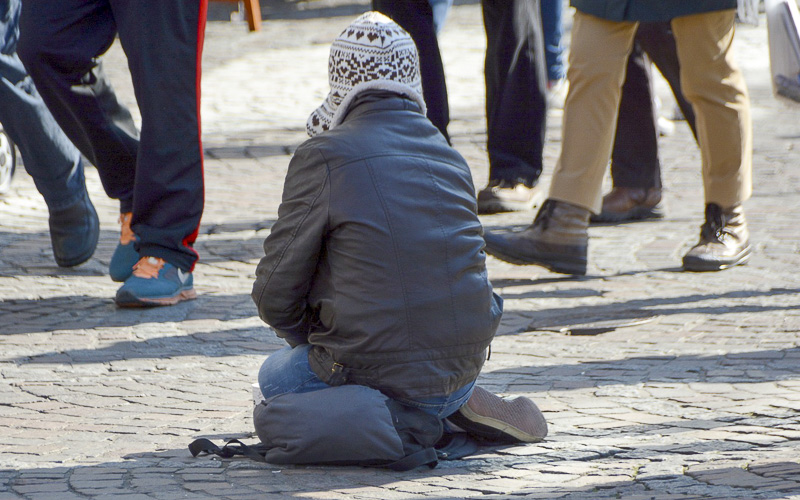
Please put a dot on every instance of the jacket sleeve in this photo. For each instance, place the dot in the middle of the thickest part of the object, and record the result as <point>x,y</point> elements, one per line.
<point>292,249</point>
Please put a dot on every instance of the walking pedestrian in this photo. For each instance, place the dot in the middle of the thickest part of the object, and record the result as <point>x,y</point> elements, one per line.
<point>157,176</point>
<point>602,38</point>
<point>49,157</point>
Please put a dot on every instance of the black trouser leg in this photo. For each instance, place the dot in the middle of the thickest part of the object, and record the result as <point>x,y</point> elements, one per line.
<point>634,159</point>
<point>59,43</point>
<point>515,74</point>
<point>163,43</point>
<point>657,40</point>
<point>416,17</point>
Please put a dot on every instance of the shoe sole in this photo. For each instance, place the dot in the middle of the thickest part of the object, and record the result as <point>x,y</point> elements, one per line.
<point>506,426</point>
<point>77,260</point>
<point>631,215</point>
<point>127,299</point>
<point>700,265</point>
<point>560,267</point>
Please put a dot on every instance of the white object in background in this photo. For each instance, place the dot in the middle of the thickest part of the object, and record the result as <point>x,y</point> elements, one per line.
<point>783,27</point>
<point>747,11</point>
<point>257,396</point>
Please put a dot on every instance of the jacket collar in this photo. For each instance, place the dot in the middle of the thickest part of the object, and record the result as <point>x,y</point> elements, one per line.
<point>380,100</point>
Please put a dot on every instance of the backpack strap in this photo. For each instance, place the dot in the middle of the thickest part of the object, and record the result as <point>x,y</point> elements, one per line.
<point>425,456</point>
<point>232,448</point>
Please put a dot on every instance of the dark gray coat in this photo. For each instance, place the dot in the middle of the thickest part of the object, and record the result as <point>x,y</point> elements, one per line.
<point>649,10</point>
<point>377,255</point>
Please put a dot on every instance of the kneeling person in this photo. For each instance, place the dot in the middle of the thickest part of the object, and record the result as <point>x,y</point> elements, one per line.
<point>374,272</point>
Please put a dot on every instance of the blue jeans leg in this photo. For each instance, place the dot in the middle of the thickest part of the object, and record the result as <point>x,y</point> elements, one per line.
<point>50,158</point>
<point>440,9</point>
<point>287,370</point>
<point>442,406</point>
<point>552,13</point>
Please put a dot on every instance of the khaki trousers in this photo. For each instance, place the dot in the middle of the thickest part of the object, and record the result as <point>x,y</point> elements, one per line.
<point>710,81</point>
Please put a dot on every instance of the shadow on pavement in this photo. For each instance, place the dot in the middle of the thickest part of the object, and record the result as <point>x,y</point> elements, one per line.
<point>258,341</point>
<point>30,254</point>
<point>82,312</point>
<point>553,319</point>
<point>731,368</point>
<point>173,473</point>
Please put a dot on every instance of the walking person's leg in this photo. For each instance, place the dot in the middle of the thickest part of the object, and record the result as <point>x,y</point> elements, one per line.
<point>558,238</point>
<point>163,42</point>
<point>516,108</point>
<point>60,44</point>
<point>713,83</point>
<point>49,156</point>
<point>658,42</point>
<point>552,29</point>
<point>440,10</point>
<point>636,192</point>
<point>417,17</point>
<point>635,166</point>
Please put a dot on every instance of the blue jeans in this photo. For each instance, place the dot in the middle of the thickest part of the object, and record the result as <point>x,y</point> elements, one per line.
<point>50,158</point>
<point>440,9</point>
<point>287,370</point>
<point>552,28</point>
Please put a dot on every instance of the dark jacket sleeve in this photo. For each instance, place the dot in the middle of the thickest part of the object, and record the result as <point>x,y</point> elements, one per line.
<point>285,274</point>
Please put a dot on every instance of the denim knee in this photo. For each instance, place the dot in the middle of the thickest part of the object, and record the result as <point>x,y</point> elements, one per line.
<point>287,370</point>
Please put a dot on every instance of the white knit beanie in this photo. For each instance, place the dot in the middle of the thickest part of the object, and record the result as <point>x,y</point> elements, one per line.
<point>372,53</point>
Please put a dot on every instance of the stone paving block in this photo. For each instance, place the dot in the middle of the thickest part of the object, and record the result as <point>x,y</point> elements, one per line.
<point>34,488</point>
<point>65,495</point>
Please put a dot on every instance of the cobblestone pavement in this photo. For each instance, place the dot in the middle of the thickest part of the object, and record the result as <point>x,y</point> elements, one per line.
<point>697,397</point>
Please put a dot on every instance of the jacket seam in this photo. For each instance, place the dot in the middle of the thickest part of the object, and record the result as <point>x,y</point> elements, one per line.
<point>445,239</point>
<point>392,231</point>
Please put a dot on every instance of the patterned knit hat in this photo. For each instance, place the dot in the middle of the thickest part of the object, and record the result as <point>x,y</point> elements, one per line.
<point>372,53</point>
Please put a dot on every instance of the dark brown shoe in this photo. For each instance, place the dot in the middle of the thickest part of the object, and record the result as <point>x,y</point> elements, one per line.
<point>724,240</point>
<point>506,196</point>
<point>626,204</point>
<point>558,239</point>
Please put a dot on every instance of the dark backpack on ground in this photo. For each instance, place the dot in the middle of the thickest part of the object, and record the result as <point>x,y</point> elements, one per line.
<point>344,425</point>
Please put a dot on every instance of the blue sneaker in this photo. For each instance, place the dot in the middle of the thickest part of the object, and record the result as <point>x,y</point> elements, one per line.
<point>155,282</point>
<point>125,255</point>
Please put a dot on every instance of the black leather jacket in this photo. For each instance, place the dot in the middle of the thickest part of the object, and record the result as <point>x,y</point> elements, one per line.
<point>377,259</point>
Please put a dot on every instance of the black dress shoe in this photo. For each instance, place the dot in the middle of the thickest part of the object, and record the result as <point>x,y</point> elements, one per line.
<point>623,204</point>
<point>74,231</point>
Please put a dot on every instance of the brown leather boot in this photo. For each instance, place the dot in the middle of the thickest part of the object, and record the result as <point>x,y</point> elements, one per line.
<point>558,239</point>
<point>724,240</point>
<point>625,204</point>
